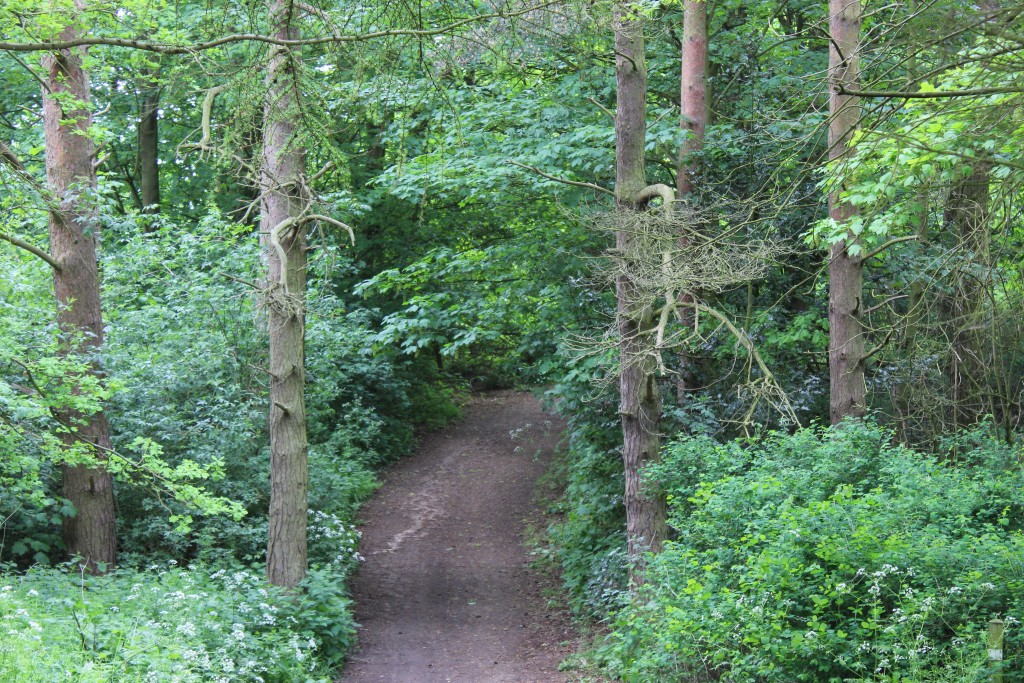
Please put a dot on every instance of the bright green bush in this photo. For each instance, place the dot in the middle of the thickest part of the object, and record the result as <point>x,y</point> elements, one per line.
<point>829,555</point>
<point>169,624</point>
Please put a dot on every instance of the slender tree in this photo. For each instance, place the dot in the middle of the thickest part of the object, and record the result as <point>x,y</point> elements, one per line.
<point>693,118</point>
<point>149,146</point>
<point>846,332</point>
<point>640,396</point>
<point>74,233</point>
<point>284,203</point>
<point>967,218</point>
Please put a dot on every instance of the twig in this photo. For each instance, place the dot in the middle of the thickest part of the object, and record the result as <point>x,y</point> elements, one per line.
<point>574,183</point>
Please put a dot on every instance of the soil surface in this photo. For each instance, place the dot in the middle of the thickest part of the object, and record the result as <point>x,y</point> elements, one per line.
<point>446,592</point>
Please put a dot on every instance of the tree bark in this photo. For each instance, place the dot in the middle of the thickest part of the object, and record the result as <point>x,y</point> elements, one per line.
<point>693,92</point>
<point>149,149</point>
<point>283,186</point>
<point>846,332</point>
<point>73,228</point>
<point>640,396</point>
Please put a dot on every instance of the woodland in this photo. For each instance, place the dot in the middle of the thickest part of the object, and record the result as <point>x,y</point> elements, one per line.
<point>763,257</point>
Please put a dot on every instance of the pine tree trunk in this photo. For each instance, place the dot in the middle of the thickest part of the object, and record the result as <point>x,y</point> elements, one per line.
<point>284,200</point>
<point>90,534</point>
<point>640,397</point>
<point>846,333</point>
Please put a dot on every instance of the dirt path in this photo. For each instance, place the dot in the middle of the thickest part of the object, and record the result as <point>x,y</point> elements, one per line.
<point>446,593</point>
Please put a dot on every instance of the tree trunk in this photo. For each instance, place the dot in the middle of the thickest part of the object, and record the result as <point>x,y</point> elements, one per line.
<point>640,397</point>
<point>149,150</point>
<point>967,217</point>
<point>693,109</point>
<point>846,333</point>
<point>284,200</point>
<point>693,92</point>
<point>90,534</point>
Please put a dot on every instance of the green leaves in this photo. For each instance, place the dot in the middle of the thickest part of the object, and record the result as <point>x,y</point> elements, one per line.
<point>826,554</point>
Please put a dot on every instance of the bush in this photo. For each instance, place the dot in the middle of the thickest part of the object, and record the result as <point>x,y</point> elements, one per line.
<point>829,555</point>
<point>590,536</point>
<point>170,624</point>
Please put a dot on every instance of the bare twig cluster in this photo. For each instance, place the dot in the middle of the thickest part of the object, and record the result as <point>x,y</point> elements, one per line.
<point>667,259</point>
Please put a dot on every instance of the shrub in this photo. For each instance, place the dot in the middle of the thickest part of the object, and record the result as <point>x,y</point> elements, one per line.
<point>828,555</point>
<point>590,536</point>
<point>169,624</point>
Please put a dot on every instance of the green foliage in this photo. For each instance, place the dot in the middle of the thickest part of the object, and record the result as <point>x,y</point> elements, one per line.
<point>590,535</point>
<point>176,311</point>
<point>165,624</point>
<point>491,312</point>
<point>44,395</point>
<point>828,555</point>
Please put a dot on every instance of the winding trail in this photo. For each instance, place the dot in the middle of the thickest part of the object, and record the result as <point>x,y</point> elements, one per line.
<point>446,593</point>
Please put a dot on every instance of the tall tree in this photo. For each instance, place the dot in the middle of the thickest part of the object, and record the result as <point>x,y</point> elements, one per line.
<point>74,232</point>
<point>639,394</point>
<point>284,204</point>
<point>845,272</point>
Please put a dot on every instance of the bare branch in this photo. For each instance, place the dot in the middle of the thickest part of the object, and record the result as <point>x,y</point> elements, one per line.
<point>888,335</point>
<point>319,174</point>
<point>10,158</point>
<point>929,94</point>
<point>332,221</point>
<point>240,280</point>
<point>603,108</point>
<point>883,304</point>
<point>744,339</point>
<point>667,194</point>
<point>204,142</point>
<point>275,240</point>
<point>574,183</point>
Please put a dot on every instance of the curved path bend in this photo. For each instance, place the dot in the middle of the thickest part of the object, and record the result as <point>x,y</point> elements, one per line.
<point>446,594</point>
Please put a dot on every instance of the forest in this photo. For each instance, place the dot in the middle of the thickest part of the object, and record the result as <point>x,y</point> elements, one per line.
<point>762,258</point>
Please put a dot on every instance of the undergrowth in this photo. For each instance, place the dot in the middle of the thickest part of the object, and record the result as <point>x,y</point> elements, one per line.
<point>829,556</point>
